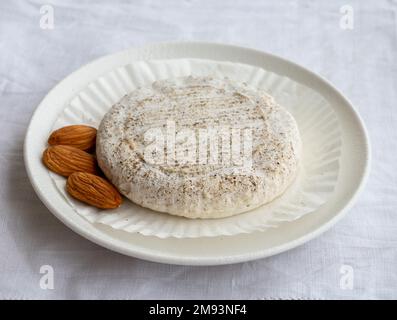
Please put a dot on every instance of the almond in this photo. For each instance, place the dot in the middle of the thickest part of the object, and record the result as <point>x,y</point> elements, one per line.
<point>65,160</point>
<point>93,190</point>
<point>78,136</point>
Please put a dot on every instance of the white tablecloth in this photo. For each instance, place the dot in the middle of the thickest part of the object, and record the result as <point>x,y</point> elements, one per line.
<point>360,61</point>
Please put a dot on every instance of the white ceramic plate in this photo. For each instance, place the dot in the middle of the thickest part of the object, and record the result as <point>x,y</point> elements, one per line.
<point>354,164</point>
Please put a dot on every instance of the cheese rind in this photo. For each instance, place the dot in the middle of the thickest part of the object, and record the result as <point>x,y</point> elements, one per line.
<point>255,159</point>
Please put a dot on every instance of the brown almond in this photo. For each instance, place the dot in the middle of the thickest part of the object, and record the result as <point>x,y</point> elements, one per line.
<point>65,160</point>
<point>79,136</point>
<point>93,190</point>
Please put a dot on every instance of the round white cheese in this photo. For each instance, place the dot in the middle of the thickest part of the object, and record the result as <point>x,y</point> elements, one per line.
<point>199,147</point>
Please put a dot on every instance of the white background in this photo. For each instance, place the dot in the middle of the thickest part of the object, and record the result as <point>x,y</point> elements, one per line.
<point>360,62</point>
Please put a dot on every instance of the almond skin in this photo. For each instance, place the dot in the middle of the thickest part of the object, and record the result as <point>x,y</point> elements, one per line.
<point>93,190</point>
<point>65,160</point>
<point>78,136</point>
